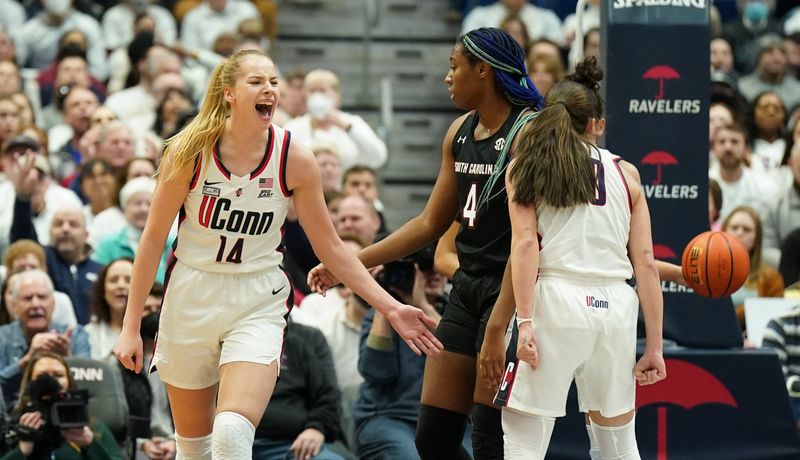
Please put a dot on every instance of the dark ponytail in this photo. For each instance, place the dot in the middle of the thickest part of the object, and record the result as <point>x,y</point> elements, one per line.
<point>553,165</point>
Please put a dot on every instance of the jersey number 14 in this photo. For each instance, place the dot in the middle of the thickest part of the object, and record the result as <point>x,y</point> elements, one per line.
<point>235,253</point>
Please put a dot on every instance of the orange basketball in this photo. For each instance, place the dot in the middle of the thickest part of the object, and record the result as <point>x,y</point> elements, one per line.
<point>715,264</point>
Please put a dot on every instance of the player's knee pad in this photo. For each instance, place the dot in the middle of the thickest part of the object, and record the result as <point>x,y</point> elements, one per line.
<point>526,436</point>
<point>193,448</point>
<point>617,442</point>
<point>487,433</point>
<point>594,452</point>
<point>233,437</point>
<point>439,434</point>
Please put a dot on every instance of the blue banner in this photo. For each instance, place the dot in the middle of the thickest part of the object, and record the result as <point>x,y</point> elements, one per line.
<point>656,57</point>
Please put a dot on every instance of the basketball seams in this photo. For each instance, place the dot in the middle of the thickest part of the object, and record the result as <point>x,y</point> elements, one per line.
<point>730,274</point>
<point>705,259</point>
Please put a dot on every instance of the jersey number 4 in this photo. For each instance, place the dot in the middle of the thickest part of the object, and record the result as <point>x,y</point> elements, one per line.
<point>235,254</point>
<point>470,210</point>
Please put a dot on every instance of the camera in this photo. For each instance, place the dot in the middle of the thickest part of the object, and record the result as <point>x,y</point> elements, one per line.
<point>60,410</point>
<point>399,274</point>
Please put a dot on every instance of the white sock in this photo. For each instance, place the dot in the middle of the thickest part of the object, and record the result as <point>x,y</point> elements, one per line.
<point>232,437</point>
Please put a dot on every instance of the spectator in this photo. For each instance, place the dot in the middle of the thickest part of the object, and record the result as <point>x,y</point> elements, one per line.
<point>10,81</point>
<point>202,25</point>
<point>126,63</point>
<point>783,214</point>
<point>359,217</point>
<point>33,331</point>
<point>293,99</point>
<point>9,120</point>
<point>540,22</point>
<point>388,401</point>
<point>792,44</point>
<point>516,28</point>
<point>92,442</point>
<point>771,74</point>
<point>138,167</point>
<point>782,334</point>
<point>361,180</point>
<point>37,44</point>
<point>32,197</point>
<point>302,417</point>
<point>722,58</point>
<point>545,71</point>
<point>24,255</point>
<point>790,260</point>
<point>766,128</point>
<point>69,68</point>
<point>330,165</point>
<point>68,263</point>
<point>135,198</point>
<point>115,145</point>
<point>743,34</point>
<point>118,22</point>
<point>26,115</point>
<point>109,297</point>
<point>138,102</point>
<point>740,185</point>
<point>763,280</point>
<point>78,104</point>
<point>99,185</point>
<point>354,138</point>
<point>8,51</point>
<point>172,104</point>
<point>13,16</point>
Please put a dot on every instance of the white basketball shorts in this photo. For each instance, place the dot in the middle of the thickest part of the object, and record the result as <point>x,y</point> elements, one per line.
<point>210,319</point>
<point>585,330</point>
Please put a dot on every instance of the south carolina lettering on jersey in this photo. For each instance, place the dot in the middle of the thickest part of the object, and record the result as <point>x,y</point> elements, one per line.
<point>216,213</point>
<point>482,169</point>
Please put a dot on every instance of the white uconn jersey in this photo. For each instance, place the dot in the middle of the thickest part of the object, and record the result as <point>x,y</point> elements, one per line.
<point>590,239</point>
<point>233,224</point>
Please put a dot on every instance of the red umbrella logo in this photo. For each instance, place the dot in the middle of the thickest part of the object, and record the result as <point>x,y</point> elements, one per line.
<point>663,252</point>
<point>659,158</point>
<point>688,386</point>
<point>661,73</point>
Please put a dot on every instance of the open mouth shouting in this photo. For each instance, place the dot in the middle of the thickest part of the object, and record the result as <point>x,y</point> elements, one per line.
<point>265,110</point>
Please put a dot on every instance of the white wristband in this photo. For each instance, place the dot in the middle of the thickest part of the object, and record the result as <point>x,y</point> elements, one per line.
<point>520,321</point>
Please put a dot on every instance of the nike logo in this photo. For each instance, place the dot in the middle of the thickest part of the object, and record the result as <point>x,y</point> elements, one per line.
<point>274,292</point>
<point>206,182</point>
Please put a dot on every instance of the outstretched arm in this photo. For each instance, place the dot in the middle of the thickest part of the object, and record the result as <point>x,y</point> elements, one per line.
<point>303,178</point>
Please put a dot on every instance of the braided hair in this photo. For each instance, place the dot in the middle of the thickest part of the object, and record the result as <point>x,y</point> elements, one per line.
<point>498,49</point>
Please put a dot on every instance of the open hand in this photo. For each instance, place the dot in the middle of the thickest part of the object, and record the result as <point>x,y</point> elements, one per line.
<point>492,360</point>
<point>416,329</point>
<point>307,444</point>
<point>320,279</point>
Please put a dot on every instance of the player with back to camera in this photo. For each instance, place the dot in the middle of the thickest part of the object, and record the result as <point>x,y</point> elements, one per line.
<point>230,174</point>
<point>488,78</point>
<point>575,311</point>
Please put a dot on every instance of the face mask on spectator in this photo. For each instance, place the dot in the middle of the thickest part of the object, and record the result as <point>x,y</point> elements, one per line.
<point>756,12</point>
<point>57,7</point>
<point>140,6</point>
<point>319,105</point>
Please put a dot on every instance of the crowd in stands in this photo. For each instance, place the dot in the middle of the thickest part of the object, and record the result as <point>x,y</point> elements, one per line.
<point>90,90</point>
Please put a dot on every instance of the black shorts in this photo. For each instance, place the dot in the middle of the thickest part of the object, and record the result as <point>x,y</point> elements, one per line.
<point>463,324</point>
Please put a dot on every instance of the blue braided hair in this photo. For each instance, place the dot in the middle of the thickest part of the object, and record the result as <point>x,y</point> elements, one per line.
<point>498,49</point>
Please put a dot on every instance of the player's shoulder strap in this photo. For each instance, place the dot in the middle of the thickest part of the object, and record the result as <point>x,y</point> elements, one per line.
<point>504,158</point>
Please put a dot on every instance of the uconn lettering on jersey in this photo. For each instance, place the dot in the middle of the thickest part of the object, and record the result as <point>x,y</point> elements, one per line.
<point>216,214</point>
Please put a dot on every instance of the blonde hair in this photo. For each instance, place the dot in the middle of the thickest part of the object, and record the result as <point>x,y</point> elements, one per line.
<point>205,129</point>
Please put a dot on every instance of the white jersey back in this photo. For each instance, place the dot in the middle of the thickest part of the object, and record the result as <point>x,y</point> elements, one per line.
<point>590,239</point>
<point>233,224</point>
